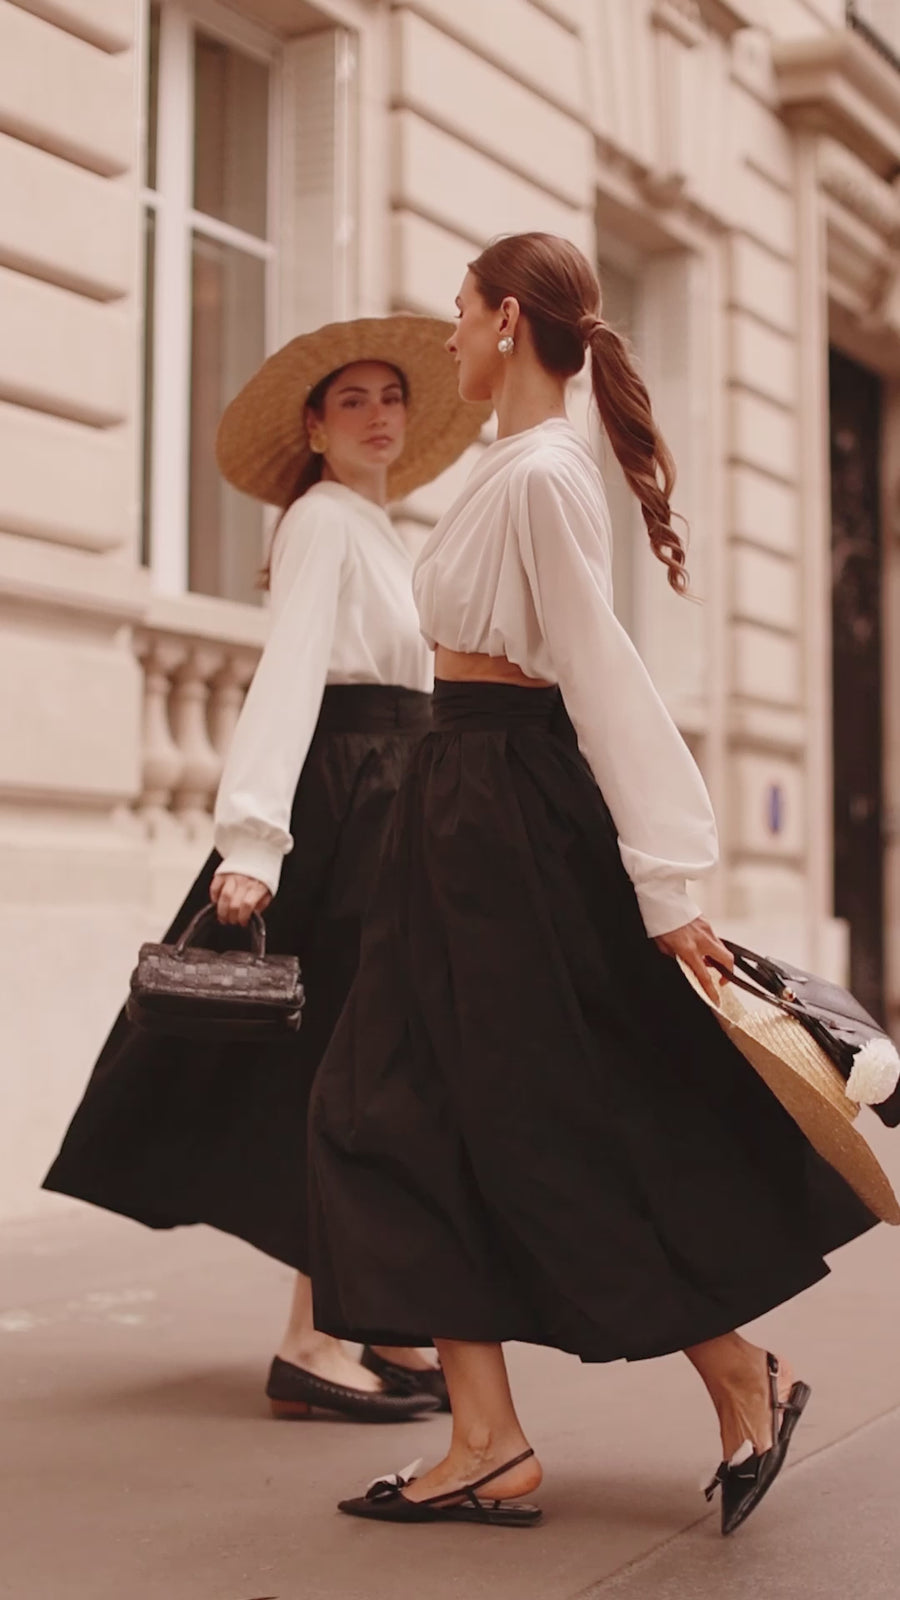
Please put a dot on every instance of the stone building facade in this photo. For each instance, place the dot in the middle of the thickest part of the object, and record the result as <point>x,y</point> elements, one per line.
<point>185,185</point>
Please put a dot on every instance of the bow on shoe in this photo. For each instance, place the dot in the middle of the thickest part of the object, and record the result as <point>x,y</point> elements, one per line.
<point>389,1486</point>
<point>743,1454</point>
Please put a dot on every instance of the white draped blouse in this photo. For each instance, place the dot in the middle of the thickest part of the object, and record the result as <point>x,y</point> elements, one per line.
<point>341,611</point>
<point>520,566</point>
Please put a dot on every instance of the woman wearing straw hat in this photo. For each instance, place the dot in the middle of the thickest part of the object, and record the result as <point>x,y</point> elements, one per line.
<point>331,427</point>
<point>527,1125</point>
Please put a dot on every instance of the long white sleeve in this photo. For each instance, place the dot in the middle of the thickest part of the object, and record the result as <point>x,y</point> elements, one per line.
<point>278,718</point>
<point>650,782</point>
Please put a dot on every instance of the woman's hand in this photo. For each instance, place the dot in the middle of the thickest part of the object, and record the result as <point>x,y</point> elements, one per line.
<point>694,944</point>
<point>236,897</point>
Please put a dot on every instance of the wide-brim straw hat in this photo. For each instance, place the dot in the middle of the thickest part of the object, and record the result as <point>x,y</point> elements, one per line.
<point>262,442</point>
<point>808,1085</point>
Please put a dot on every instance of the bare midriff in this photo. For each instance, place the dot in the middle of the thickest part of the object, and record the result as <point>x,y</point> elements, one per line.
<point>462,666</point>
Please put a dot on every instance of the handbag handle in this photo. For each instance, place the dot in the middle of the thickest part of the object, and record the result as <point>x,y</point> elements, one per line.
<point>209,914</point>
<point>756,988</point>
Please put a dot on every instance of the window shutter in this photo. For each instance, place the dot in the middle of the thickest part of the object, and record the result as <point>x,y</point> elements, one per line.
<point>319,181</point>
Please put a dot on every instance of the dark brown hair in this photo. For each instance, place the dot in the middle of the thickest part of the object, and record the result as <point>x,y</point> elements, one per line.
<point>310,470</point>
<point>559,294</point>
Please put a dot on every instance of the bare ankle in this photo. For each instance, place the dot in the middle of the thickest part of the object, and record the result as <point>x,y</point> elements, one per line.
<point>301,1348</point>
<point>484,1446</point>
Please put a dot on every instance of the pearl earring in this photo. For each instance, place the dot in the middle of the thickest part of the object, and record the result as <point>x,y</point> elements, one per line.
<point>318,442</point>
<point>506,345</point>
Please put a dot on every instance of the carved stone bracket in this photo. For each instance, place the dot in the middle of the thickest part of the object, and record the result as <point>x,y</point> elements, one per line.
<point>681,18</point>
<point>855,186</point>
<point>678,28</point>
<point>727,16</point>
<point>838,85</point>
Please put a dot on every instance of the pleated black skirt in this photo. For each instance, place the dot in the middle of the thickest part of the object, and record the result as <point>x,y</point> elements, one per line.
<point>527,1126</point>
<point>170,1132</point>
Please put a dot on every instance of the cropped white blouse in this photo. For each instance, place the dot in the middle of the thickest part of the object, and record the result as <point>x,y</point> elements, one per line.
<point>341,611</point>
<point>520,566</point>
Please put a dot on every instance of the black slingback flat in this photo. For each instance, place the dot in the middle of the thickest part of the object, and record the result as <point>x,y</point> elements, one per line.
<point>384,1501</point>
<point>744,1483</point>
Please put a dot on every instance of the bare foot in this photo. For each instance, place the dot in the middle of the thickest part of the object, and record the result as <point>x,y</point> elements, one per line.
<point>401,1356</point>
<point>462,1467</point>
<point>745,1411</point>
<point>328,1359</point>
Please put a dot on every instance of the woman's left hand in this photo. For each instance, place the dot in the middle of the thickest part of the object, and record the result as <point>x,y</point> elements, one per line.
<point>694,944</point>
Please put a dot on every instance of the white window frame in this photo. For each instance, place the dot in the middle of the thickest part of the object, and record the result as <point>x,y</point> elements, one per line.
<point>175,223</point>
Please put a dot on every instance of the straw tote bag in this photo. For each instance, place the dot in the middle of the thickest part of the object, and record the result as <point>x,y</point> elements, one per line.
<point>795,1047</point>
<point>861,1050</point>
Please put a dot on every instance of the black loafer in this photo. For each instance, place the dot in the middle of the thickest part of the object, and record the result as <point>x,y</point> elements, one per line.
<point>406,1380</point>
<point>746,1482</point>
<point>295,1393</point>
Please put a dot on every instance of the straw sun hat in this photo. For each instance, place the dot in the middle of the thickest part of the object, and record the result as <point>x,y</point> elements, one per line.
<point>809,1086</point>
<point>262,443</point>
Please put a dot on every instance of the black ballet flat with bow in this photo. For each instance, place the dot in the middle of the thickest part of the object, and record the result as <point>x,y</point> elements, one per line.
<point>743,1483</point>
<point>384,1501</point>
<point>407,1380</point>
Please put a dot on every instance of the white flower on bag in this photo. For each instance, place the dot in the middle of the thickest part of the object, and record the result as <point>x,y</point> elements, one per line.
<point>875,1073</point>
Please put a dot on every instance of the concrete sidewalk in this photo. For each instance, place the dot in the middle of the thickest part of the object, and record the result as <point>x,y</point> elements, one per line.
<point>139,1462</point>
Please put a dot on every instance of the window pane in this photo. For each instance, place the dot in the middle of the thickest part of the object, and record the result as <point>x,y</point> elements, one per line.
<point>231,112</point>
<point>227,345</point>
<point>147,420</point>
<point>152,95</point>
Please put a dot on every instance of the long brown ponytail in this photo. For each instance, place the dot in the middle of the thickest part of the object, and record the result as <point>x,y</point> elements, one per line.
<point>559,294</point>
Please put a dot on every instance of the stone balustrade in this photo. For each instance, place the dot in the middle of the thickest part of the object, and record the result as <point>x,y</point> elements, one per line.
<point>194,687</point>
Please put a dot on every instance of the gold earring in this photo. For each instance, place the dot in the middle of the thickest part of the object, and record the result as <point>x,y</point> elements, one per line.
<point>318,441</point>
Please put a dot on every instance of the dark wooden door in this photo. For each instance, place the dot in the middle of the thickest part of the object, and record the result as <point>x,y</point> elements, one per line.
<point>856,403</point>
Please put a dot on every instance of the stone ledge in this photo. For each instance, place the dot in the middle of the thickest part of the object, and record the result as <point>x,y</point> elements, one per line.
<point>838,84</point>
<point>728,16</point>
<point>46,576</point>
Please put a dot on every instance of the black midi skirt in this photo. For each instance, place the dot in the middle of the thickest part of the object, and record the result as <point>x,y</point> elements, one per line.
<point>527,1125</point>
<point>171,1132</point>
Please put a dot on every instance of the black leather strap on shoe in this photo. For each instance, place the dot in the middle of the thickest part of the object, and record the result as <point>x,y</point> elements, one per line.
<point>468,1493</point>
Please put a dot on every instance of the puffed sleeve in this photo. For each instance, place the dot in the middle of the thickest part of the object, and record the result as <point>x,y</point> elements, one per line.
<point>656,796</point>
<point>279,714</point>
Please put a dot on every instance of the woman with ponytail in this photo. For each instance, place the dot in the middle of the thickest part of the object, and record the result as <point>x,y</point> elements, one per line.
<point>528,1125</point>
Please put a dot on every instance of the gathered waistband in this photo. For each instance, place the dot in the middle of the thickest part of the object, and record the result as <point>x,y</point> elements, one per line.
<point>373,708</point>
<point>466,704</point>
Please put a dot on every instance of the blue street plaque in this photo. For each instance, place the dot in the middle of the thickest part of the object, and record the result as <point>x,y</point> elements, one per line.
<point>775,807</point>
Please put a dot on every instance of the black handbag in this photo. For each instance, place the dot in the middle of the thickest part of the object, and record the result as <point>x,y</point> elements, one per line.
<point>192,992</point>
<point>863,1053</point>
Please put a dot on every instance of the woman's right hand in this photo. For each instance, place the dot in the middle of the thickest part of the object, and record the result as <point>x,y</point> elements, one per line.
<point>695,944</point>
<point>236,897</point>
